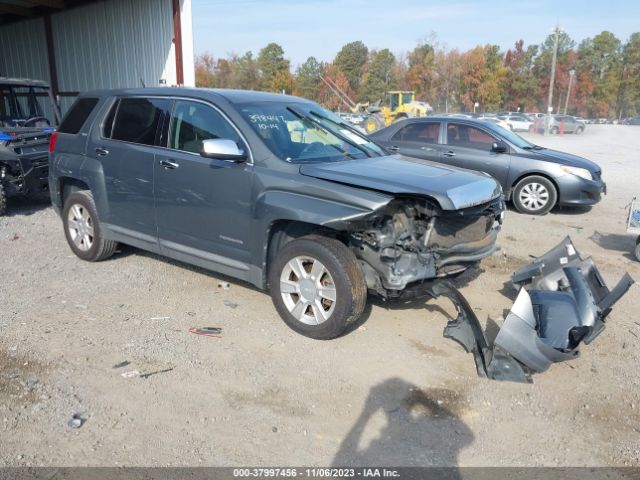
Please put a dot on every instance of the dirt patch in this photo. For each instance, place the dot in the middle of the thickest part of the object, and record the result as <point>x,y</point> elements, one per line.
<point>274,399</point>
<point>429,350</point>
<point>502,262</point>
<point>19,377</point>
<point>435,402</point>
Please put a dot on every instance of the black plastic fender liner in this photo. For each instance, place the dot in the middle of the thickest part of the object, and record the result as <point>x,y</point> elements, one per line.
<point>491,362</point>
<point>563,302</point>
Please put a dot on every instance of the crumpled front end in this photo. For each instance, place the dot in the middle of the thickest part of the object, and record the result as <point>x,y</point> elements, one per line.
<point>412,240</point>
<point>563,302</point>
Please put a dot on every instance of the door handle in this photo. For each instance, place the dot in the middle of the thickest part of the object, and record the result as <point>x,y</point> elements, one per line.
<point>449,154</point>
<point>166,164</point>
<point>101,152</point>
<point>394,148</point>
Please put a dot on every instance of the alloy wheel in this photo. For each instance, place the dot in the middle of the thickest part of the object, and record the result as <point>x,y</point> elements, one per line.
<point>80,226</point>
<point>308,290</point>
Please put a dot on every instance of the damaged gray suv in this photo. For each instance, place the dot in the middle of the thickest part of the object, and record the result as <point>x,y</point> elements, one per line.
<point>270,189</point>
<point>278,192</point>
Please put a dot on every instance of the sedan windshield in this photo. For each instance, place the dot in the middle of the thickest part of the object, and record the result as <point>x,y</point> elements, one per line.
<point>304,132</point>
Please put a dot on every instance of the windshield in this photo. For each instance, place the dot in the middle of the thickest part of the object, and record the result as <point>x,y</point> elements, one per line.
<point>303,132</point>
<point>21,103</point>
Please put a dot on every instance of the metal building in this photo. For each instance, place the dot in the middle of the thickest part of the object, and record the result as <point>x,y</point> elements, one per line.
<point>84,45</point>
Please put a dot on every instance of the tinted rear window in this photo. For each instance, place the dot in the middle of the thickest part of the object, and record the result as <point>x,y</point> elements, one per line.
<point>77,115</point>
<point>137,119</point>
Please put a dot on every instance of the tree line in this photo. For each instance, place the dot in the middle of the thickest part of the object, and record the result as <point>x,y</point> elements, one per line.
<point>604,73</point>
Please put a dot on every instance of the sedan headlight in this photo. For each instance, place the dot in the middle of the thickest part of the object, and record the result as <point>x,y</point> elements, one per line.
<point>578,172</point>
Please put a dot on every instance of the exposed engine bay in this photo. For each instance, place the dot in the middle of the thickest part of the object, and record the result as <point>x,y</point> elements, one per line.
<point>412,239</point>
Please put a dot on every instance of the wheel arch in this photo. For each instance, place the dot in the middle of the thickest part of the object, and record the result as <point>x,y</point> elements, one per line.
<point>283,231</point>
<point>534,174</point>
<point>69,185</point>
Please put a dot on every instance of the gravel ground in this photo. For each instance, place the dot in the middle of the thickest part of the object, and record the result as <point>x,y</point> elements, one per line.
<point>393,392</point>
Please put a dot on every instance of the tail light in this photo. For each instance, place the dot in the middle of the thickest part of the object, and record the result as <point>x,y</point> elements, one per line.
<point>52,141</point>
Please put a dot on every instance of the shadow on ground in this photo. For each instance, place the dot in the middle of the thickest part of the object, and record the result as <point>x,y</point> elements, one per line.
<point>614,241</point>
<point>420,428</point>
<point>22,206</point>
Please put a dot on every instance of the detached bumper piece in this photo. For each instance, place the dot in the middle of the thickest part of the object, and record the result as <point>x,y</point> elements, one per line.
<point>563,302</point>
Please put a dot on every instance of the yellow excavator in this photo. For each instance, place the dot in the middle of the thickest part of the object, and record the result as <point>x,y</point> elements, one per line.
<point>396,106</point>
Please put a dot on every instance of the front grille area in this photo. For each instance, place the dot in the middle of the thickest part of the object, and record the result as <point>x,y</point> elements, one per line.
<point>450,230</point>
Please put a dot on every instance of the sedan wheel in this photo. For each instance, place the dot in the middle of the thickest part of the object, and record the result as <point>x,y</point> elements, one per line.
<point>535,195</point>
<point>308,290</point>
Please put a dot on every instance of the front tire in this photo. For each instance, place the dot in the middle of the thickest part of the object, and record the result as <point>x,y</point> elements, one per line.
<point>82,228</point>
<point>317,286</point>
<point>535,195</point>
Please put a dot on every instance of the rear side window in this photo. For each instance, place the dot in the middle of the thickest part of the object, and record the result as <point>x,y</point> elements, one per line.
<point>419,132</point>
<point>77,115</point>
<point>137,119</point>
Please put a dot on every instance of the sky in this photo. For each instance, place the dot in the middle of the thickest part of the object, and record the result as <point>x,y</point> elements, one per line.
<point>320,28</point>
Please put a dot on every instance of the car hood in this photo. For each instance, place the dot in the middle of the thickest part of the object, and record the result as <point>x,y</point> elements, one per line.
<point>561,158</point>
<point>452,188</point>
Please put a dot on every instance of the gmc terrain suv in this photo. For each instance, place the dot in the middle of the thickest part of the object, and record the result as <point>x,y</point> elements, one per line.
<point>278,192</point>
<point>270,189</point>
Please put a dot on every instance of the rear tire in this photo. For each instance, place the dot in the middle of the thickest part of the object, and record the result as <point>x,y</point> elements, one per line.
<point>535,195</point>
<point>555,130</point>
<point>3,199</point>
<point>82,228</point>
<point>637,251</point>
<point>579,130</point>
<point>317,286</point>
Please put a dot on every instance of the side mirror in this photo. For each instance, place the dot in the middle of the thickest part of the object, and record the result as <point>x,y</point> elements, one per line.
<point>499,147</point>
<point>222,149</point>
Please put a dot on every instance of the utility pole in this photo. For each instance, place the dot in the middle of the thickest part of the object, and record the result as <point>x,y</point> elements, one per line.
<point>553,79</point>
<point>572,72</point>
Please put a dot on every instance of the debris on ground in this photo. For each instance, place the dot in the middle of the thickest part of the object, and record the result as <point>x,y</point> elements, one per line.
<point>147,375</point>
<point>213,332</point>
<point>160,318</point>
<point>76,421</point>
<point>224,285</point>
<point>130,374</point>
<point>15,237</point>
<point>122,364</point>
<point>230,304</point>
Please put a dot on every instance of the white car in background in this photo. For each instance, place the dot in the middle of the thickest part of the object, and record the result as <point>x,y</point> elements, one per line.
<point>496,121</point>
<point>518,123</point>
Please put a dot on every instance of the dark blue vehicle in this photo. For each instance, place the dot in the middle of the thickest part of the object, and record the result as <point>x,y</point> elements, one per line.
<point>534,178</point>
<point>278,192</point>
<point>270,189</point>
<point>25,128</point>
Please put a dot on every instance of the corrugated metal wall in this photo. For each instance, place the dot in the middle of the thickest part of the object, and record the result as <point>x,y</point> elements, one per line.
<point>23,50</point>
<point>113,44</point>
<point>109,44</point>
